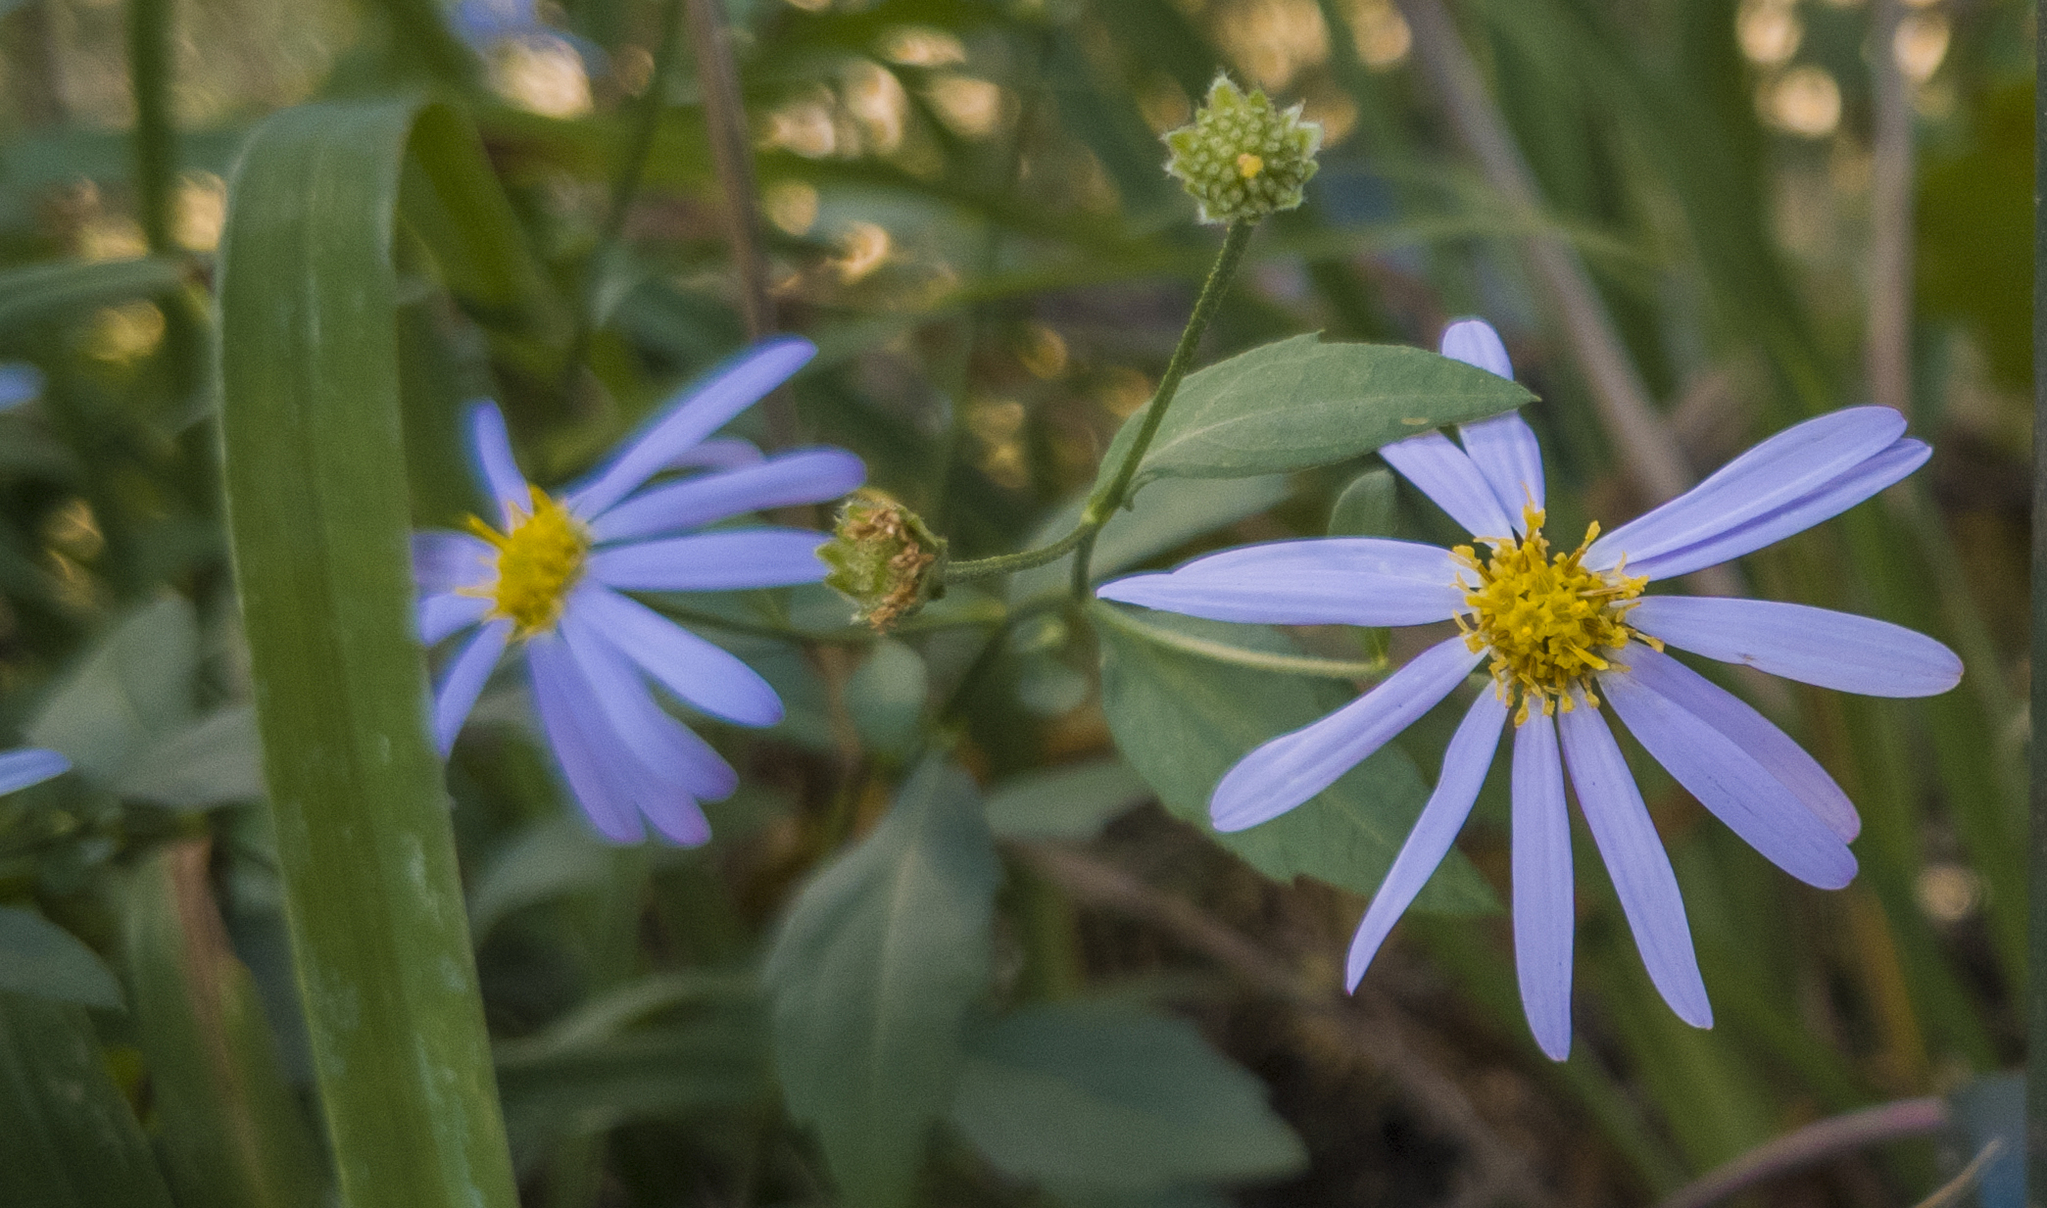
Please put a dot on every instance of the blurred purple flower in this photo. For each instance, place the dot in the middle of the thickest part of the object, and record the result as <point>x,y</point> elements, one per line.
<point>19,383</point>
<point>1559,628</point>
<point>550,578</point>
<point>30,765</point>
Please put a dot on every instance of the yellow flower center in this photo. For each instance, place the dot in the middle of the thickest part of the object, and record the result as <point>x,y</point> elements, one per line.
<point>1249,165</point>
<point>538,561</point>
<point>1548,620</point>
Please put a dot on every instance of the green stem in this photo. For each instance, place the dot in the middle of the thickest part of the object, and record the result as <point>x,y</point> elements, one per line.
<point>1103,503</point>
<point>155,158</point>
<point>1223,652</point>
<point>1002,564</point>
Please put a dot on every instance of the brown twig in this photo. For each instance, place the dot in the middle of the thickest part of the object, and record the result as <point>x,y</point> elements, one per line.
<point>1817,1142</point>
<point>1359,1024</point>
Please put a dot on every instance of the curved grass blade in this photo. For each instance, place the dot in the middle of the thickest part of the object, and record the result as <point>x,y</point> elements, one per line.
<point>319,526</point>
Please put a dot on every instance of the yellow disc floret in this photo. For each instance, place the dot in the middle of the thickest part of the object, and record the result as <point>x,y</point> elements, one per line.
<point>538,561</point>
<point>1548,621</point>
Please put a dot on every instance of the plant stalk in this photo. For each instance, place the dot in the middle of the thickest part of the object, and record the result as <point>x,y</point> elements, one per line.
<point>1103,503</point>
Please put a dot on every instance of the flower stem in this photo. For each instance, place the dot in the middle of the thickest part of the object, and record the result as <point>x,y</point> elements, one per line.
<point>1106,499</point>
<point>1223,652</point>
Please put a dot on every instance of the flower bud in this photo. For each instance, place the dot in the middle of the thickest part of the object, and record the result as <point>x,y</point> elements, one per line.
<point>1242,157</point>
<point>884,559</point>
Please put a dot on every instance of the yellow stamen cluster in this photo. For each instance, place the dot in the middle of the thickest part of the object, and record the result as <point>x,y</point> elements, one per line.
<point>539,560</point>
<point>1549,622</point>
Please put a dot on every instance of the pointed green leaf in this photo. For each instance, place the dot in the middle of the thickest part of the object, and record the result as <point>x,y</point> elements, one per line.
<point>68,1137</point>
<point>40,958</point>
<point>1065,803</point>
<point>1102,1096</point>
<point>1182,721</point>
<point>134,686</point>
<point>871,976</point>
<point>212,761</point>
<point>1301,403</point>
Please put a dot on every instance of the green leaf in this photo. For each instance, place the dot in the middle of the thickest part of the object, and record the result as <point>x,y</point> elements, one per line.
<point>886,695</point>
<point>716,1064</point>
<point>40,958</point>
<point>1065,803</point>
<point>871,976</point>
<point>133,686</point>
<point>1161,519</point>
<point>1366,506</point>
<point>234,1133</point>
<point>39,294</point>
<point>70,1139</point>
<point>553,857</point>
<point>213,761</point>
<point>1102,1096</point>
<point>318,518</point>
<point>1182,721</point>
<point>1301,403</point>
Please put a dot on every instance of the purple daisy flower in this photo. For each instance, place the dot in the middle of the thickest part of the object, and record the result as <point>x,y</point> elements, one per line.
<point>1560,630</point>
<point>29,765</point>
<point>550,578</point>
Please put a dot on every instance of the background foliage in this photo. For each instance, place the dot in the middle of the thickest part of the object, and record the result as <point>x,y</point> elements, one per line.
<point>963,936</point>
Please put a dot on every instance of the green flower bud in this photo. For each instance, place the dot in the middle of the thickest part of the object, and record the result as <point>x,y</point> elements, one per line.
<point>1243,157</point>
<point>884,559</point>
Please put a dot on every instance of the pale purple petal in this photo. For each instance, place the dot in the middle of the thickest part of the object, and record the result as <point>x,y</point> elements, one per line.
<point>707,676</point>
<point>1504,450</point>
<point>1474,342</point>
<point>1721,710</point>
<point>462,681</point>
<point>1779,471</point>
<point>1446,475</point>
<point>445,615</point>
<point>805,476</point>
<point>443,560</point>
<point>598,769</point>
<point>1635,860</point>
<point>1727,778</point>
<point>1544,904</point>
<point>1828,501</point>
<point>492,449</point>
<point>700,410</point>
<point>1319,581</point>
<point>1811,645</point>
<point>1464,770</point>
<point>722,561</point>
<point>1294,767</point>
<point>30,765</point>
<point>669,750</point>
<point>717,453</point>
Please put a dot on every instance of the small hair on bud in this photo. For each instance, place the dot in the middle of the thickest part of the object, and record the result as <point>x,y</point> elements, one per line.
<point>884,559</point>
<point>1242,157</point>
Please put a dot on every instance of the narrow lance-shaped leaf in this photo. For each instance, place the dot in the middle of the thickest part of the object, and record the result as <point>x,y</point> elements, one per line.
<point>319,528</point>
<point>871,976</point>
<point>1099,1096</point>
<point>1300,403</point>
